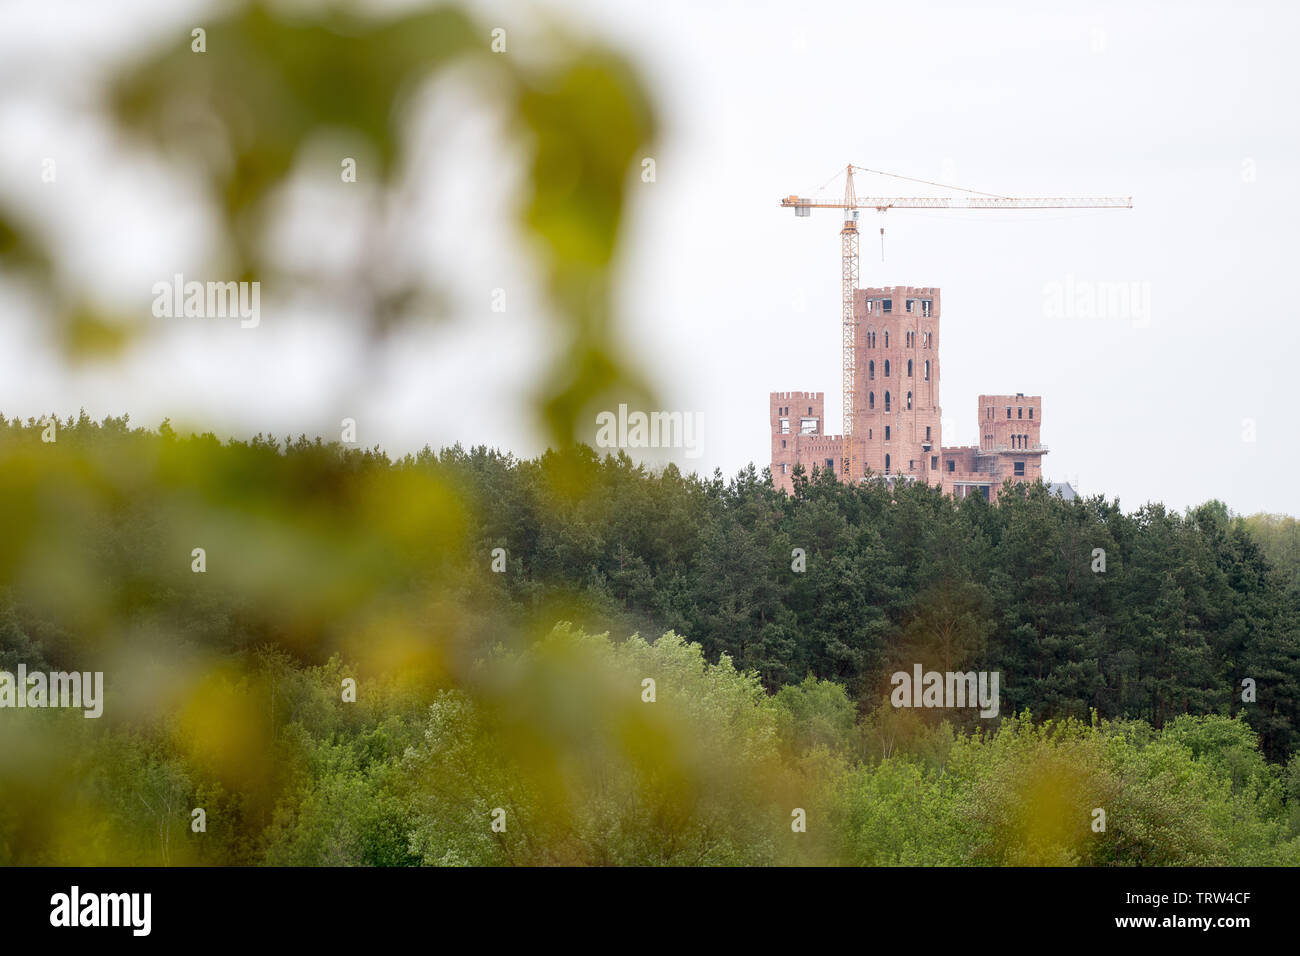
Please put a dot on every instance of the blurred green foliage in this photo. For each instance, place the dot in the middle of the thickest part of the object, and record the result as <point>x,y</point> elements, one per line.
<point>224,688</point>
<point>235,119</point>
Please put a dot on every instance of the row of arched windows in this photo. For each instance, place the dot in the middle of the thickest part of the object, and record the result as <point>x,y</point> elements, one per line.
<point>909,338</point>
<point>871,400</point>
<point>871,369</point>
<point>1019,441</point>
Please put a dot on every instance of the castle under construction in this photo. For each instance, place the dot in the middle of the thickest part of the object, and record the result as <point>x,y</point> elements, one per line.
<point>896,411</point>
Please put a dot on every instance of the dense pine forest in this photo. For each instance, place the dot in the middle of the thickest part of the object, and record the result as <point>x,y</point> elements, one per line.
<point>498,620</point>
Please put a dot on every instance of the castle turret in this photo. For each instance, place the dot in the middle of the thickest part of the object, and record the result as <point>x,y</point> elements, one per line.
<point>798,436</point>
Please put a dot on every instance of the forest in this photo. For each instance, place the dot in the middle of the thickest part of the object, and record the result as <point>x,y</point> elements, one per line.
<point>578,660</point>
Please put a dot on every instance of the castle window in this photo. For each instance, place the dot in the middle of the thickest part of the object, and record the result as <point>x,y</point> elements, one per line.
<point>1031,414</point>
<point>809,409</point>
<point>782,442</point>
<point>909,400</point>
<point>830,464</point>
<point>952,466</point>
<point>886,464</point>
<point>911,464</point>
<point>785,468</point>
<point>871,369</point>
<point>886,338</point>
<point>1020,412</point>
<point>871,399</point>
<point>934,462</point>
<point>886,360</point>
<point>887,305</point>
<point>886,433</point>
<point>909,304</point>
<point>909,368</point>
<point>927,370</point>
<point>886,401</point>
<point>927,432</point>
<point>808,426</point>
<point>1020,469</point>
<point>785,426</point>
<point>925,306</point>
<point>1008,411</point>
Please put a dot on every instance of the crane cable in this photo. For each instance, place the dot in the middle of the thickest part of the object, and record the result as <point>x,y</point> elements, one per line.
<point>927,182</point>
<point>910,179</point>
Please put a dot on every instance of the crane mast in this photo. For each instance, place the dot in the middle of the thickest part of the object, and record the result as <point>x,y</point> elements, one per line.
<point>849,260</point>
<point>848,286</point>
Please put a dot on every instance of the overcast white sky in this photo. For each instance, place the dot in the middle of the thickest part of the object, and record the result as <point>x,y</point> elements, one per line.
<point>1189,108</point>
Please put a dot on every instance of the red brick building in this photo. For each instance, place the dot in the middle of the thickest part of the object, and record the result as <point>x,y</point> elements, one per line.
<point>896,410</point>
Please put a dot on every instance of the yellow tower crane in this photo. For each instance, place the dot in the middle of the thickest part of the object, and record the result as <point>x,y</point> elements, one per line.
<point>849,265</point>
